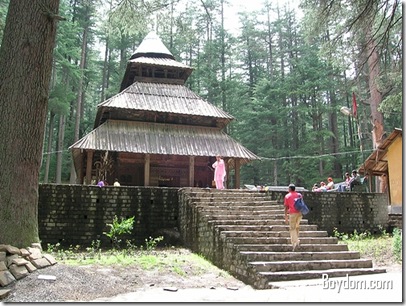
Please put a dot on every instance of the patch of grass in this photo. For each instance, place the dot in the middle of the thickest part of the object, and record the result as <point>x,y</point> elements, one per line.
<point>383,248</point>
<point>177,260</point>
<point>379,249</point>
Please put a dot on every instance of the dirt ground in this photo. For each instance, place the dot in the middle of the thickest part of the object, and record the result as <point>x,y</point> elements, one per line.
<point>90,282</point>
<point>86,283</point>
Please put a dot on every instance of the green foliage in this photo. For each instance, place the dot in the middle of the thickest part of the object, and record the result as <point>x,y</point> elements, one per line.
<point>63,254</point>
<point>94,250</point>
<point>59,99</point>
<point>397,244</point>
<point>119,228</point>
<point>151,243</point>
<point>3,13</point>
<point>382,248</point>
<point>283,79</point>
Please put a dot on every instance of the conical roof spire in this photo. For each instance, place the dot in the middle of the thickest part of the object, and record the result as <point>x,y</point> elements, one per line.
<point>152,46</point>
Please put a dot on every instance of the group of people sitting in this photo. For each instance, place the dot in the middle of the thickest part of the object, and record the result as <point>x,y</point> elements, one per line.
<point>323,187</point>
<point>349,182</point>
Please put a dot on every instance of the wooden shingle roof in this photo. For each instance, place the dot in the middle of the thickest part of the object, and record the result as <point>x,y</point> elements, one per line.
<point>154,138</point>
<point>171,99</point>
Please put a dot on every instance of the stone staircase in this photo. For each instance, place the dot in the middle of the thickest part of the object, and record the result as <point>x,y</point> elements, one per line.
<point>244,233</point>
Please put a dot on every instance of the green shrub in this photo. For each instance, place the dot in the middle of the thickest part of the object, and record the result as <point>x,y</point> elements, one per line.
<point>119,228</point>
<point>397,244</point>
<point>151,243</point>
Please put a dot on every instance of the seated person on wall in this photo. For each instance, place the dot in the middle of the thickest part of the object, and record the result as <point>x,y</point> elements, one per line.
<point>345,186</point>
<point>322,187</point>
<point>330,184</point>
<point>355,179</point>
<point>315,187</point>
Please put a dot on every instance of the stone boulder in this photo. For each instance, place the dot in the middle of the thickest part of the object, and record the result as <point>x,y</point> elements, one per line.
<point>17,263</point>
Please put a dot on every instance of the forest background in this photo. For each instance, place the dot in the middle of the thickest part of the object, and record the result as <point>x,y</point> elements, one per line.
<point>284,73</point>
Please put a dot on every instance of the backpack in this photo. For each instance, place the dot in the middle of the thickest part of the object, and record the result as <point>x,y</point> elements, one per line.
<point>301,206</point>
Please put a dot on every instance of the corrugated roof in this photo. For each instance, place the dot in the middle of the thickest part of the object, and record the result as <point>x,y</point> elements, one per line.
<point>376,163</point>
<point>166,98</point>
<point>153,138</point>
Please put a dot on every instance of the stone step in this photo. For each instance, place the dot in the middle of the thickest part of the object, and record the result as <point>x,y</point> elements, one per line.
<point>204,192</point>
<point>285,228</point>
<point>250,229</point>
<point>304,265</point>
<point>279,228</point>
<point>295,256</point>
<point>232,216</point>
<point>282,240</point>
<point>288,248</point>
<point>237,199</point>
<point>277,225</point>
<point>238,211</point>
<point>264,208</point>
<point>239,205</point>
<point>232,197</point>
<point>267,233</point>
<point>296,275</point>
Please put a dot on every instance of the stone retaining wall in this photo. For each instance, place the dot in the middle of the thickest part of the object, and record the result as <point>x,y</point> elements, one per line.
<point>78,214</point>
<point>345,211</point>
<point>395,220</point>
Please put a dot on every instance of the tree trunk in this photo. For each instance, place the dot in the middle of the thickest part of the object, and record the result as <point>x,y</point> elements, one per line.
<point>79,103</point>
<point>376,96</point>
<point>25,73</point>
<point>49,149</point>
<point>59,154</point>
<point>105,68</point>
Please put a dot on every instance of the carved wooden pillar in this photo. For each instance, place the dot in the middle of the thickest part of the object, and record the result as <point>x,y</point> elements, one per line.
<point>237,165</point>
<point>80,172</point>
<point>191,171</point>
<point>89,167</point>
<point>147,167</point>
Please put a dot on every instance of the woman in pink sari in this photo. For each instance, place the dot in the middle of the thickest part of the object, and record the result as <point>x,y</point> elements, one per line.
<point>219,172</point>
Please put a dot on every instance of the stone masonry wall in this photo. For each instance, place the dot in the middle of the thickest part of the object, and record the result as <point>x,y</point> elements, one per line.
<point>345,211</point>
<point>348,211</point>
<point>78,214</point>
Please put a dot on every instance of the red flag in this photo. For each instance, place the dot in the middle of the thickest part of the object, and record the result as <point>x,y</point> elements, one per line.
<point>354,105</point>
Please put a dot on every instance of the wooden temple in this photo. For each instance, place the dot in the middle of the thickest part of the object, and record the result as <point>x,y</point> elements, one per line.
<point>156,131</point>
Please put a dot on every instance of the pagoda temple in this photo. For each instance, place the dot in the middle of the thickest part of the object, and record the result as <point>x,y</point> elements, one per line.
<point>156,131</point>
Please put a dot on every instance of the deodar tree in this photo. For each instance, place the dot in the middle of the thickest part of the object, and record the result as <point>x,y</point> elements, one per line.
<point>25,71</point>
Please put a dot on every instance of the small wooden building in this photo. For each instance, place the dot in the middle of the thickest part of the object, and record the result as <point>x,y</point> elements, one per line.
<point>386,162</point>
<point>156,131</point>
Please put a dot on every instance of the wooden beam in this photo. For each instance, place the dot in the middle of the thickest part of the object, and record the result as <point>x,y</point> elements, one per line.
<point>147,166</point>
<point>237,178</point>
<point>79,175</point>
<point>89,167</point>
<point>191,171</point>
